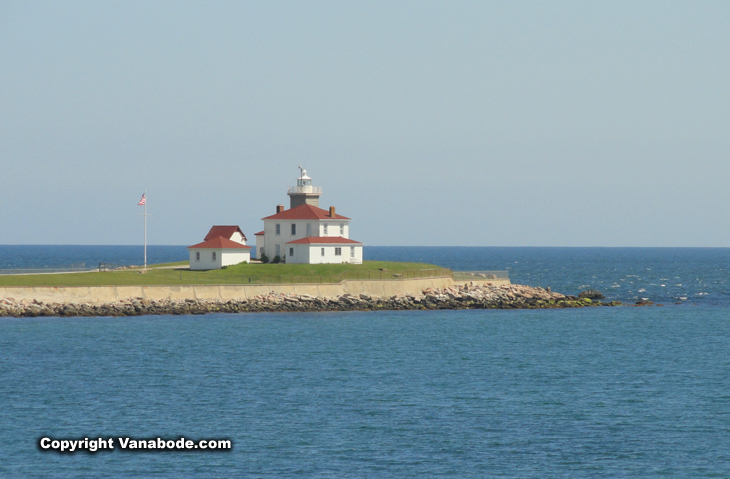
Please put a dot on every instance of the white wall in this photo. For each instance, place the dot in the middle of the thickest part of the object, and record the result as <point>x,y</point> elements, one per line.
<point>312,254</point>
<point>357,258</point>
<point>238,238</point>
<point>333,228</point>
<point>223,257</point>
<point>234,256</point>
<point>301,253</point>
<point>317,229</point>
<point>206,260</point>
<point>272,239</point>
<point>260,246</point>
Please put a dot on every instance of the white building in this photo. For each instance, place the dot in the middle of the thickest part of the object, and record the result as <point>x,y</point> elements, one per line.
<point>259,243</point>
<point>223,246</point>
<point>305,233</point>
<point>318,250</point>
<point>231,232</point>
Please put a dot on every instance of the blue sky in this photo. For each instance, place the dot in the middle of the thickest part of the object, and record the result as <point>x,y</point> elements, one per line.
<point>429,123</point>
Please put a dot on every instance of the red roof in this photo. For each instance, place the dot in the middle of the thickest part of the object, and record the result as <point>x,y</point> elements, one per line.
<point>219,243</point>
<point>224,231</point>
<point>259,233</point>
<point>305,212</point>
<point>324,240</point>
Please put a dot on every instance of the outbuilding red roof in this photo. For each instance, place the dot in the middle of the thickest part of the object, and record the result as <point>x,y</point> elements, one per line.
<point>219,243</point>
<point>305,212</point>
<point>259,233</point>
<point>224,231</point>
<point>324,240</point>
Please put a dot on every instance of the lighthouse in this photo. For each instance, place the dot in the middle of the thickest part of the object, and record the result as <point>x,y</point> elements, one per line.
<point>304,193</point>
<point>305,233</point>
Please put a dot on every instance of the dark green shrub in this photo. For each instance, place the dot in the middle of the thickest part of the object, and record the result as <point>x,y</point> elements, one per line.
<point>264,258</point>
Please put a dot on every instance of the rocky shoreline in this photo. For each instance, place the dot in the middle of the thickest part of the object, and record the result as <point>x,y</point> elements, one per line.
<point>468,296</point>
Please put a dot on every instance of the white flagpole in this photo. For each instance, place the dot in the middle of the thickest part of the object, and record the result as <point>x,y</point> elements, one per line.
<point>143,202</point>
<point>145,229</point>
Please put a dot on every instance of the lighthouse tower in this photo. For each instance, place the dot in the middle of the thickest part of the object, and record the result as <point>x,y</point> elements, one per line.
<point>304,193</point>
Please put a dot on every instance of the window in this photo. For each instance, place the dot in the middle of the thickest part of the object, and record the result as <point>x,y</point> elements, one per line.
<point>278,250</point>
<point>338,251</point>
<point>309,229</point>
<point>322,251</point>
<point>213,255</point>
<point>293,229</point>
<point>278,229</point>
<point>291,251</point>
<point>342,230</point>
<point>325,230</point>
<point>352,251</point>
<point>197,256</point>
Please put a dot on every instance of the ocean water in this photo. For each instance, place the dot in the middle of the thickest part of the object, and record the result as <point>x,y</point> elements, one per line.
<point>666,275</point>
<point>594,392</point>
<point>85,256</point>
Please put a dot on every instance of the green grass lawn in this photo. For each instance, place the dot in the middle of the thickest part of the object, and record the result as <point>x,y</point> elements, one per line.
<point>159,265</point>
<point>237,274</point>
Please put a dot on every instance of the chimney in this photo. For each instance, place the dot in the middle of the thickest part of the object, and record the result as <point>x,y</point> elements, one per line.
<point>332,211</point>
<point>279,208</point>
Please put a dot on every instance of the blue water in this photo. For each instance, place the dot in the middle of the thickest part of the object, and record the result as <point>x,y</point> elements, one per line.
<point>598,392</point>
<point>66,256</point>
<point>667,275</point>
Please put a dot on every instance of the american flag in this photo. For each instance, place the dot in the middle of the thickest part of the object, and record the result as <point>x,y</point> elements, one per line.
<point>143,201</point>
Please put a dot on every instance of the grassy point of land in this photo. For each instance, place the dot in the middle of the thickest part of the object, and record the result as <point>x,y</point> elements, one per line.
<point>236,274</point>
<point>163,265</point>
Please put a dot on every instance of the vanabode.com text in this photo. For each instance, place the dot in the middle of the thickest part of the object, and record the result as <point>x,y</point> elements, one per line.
<point>126,443</point>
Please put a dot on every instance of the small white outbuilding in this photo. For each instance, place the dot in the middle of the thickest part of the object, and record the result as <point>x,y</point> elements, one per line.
<point>218,252</point>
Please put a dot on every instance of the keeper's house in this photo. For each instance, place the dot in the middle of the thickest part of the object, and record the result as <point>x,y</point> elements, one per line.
<point>305,233</point>
<point>223,246</point>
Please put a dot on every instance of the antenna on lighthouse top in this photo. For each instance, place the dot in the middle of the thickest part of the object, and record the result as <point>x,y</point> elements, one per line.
<point>303,176</point>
